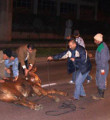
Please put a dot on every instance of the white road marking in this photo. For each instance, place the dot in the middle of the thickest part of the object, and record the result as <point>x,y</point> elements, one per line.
<point>51,84</point>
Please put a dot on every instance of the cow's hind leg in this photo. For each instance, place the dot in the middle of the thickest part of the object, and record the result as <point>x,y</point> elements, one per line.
<point>57,92</point>
<point>40,91</point>
<point>19,100</point>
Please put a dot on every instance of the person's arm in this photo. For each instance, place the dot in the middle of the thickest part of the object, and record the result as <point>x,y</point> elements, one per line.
<point>62,55</point>
<point>7,63</point>
<point>104,60</point>
<point>82,42</point>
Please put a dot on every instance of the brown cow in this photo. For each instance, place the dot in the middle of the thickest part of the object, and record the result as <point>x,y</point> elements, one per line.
<point>17,92</point>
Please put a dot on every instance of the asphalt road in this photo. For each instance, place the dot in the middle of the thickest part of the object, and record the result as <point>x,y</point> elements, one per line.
<point>84,109</point>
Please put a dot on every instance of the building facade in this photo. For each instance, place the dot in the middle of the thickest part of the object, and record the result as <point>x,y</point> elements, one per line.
<point>23,15</point>
<point>76,9</point>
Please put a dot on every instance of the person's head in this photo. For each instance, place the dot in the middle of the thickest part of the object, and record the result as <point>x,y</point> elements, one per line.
<point>68,37</point>
<point>7,54</point>
<point>98,38</point>
<point>13,55</point>
<point>72,44</point>
<point>76,33</point>
<point>30,48</point>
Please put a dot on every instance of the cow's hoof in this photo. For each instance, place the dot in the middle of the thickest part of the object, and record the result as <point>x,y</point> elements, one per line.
<point>38,107</point>
<point>57,99</point>
<point>33,94</point>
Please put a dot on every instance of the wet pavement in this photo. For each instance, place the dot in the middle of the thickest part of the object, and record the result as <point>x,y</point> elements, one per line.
<point>83,109</point>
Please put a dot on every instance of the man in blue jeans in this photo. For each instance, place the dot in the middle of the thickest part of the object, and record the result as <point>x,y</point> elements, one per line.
<point>10,60</point>
<point>78,62</point>
<point>79,40</point>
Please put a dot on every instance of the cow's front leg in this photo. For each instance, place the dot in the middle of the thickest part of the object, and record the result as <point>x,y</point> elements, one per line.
<point>29,104</point>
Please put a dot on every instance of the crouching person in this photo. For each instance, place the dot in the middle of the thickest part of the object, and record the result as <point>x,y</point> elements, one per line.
<point>102,66</point>
<point>2,67</point>
<point>78,62</point>
<point>11,60</point>
<point>26,55</point>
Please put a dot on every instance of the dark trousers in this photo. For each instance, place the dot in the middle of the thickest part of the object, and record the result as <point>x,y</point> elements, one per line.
<point>21,70</point>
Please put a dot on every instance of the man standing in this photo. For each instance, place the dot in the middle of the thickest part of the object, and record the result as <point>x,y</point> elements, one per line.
<point>81,65</point>
<point>102,66</point>
<point>26,55</point>
<point>79,40</point>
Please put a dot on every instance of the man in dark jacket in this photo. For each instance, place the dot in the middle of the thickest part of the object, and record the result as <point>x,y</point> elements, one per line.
<point>78,62</point>
<point>79,40</point>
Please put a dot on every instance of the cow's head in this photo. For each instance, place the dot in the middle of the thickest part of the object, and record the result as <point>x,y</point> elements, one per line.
<point>33,77</point>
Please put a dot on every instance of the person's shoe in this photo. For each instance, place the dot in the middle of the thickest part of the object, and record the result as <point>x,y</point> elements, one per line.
<point>100,94</point>
<point>82,96</point>
<point>71,82</point>
<point>97,97</point>
<point>73,99</point>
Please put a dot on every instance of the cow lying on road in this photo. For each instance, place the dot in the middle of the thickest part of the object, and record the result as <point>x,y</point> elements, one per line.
<point>19,91</point>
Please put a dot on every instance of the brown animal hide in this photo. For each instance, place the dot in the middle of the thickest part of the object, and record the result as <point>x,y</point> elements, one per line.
<point>18,92</point>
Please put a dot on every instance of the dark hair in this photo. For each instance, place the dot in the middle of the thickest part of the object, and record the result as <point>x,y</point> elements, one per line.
<point>72,40</point>
<point>14,54</point>
<point>76,33</point>
<point>30,46</point>
<point>8,52</point>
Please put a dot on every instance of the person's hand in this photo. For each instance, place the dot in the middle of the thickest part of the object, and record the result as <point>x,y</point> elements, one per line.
<point>2,81</point>
<point>16,78</point>
<point>50,58</point>
<point>90,55</point>
<point>72,59</point>
<point>6,78</point>
<point>26,72</point>
<point>8,70</point>
<point>102,72</point>
<point>30,67</point>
